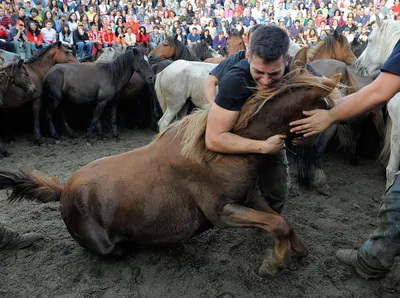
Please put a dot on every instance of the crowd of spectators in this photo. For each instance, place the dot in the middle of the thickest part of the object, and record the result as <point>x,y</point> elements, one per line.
<point>84,26</point>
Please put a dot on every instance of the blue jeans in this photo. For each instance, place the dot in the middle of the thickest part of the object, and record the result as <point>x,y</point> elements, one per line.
<point>377,254</point>
<point>84,46</point>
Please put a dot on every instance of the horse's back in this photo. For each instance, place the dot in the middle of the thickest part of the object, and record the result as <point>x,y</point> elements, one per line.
<point>141,195</point>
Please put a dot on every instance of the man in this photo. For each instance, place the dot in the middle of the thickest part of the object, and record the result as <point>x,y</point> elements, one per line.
<point>12,240</point>
<point>267,61</point>
<point>81,40</point>
<point>20,40</point>
<point>376,257</point>
<point>193,37</point>
<point>19,17</point>
<point>4,19</point>
<point>155,37</point>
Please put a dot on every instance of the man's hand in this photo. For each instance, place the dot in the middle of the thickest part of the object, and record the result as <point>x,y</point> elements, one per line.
<point>316,122</point>
<point>272,144</point>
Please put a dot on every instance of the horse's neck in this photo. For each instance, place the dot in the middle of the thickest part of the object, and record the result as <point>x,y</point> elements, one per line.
<point>188,55</point>
<point>41,66</point>
<point>124,75</point>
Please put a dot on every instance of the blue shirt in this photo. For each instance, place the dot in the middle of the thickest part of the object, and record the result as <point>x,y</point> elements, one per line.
<point>193,38</point>
<point>392,64</point>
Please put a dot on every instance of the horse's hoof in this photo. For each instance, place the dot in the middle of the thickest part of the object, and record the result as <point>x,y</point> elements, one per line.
<point>266,270</point>
<point>57,141</point>
<point>89,144</point>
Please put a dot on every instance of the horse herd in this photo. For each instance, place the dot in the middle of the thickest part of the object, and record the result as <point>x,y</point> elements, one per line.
<point>174,188</point>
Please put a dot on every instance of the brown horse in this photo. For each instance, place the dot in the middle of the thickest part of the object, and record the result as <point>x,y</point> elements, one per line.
<point>37,67</point>
<point>172,49</point>
<point>174,188</point>
<point>14,73</point>
<point>234,44</point>
<point>334,46</point>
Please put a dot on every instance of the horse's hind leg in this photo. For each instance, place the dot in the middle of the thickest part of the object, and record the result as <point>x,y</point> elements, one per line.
<point>168,116</point>
<point>97,113</point>
<point>36,104</point>
<point>114,121</point>
<point>52,104</point>
<point>63,114</point>
<point>237,216</point>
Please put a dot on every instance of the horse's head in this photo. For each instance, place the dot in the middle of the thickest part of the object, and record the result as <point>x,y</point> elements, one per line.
<point>341,48</point>
<point>380,45</point>
<point>235,41</point>
<point>165,50</point>
<point>60,54</point>
<point>16,73</point>
<point>142,66</point>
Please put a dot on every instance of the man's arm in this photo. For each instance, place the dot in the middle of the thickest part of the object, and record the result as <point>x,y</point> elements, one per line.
<point>209,86</point>
<point>219,138</point>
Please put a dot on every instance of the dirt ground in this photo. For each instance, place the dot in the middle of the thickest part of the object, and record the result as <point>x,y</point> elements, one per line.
<point>218,263</point>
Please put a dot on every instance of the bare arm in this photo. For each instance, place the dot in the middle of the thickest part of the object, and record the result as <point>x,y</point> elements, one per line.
<point>378,92</point>
<point>209,87</point>
<point>220,139</point>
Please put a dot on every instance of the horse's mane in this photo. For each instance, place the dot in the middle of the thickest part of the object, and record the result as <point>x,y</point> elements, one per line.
<point>388,33</point>
<point>182,52</point>
<point>7,73</point>
<point>202,51</point>
<point>192,128</point>
<point>42,52</point>
<point>329,43</point>
<point>119,65</point>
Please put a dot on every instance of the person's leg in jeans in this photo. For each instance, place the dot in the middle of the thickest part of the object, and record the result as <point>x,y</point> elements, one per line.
<point>274,180</point>
<point>16,47</point>
<point>80,45</point>
<point>376,256</point>
<point>28,51</point>
<point>88,48</point>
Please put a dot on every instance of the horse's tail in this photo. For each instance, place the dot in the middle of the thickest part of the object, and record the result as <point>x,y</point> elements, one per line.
<point>31,185</point>
<point>385,153</point>
<point>159,93</point>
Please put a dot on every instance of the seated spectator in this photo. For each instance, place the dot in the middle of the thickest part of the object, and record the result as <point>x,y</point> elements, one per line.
<point>312,37</point>
<point>155,37</point>
<point>193,37</point>
<point>300,39</point>
<point>295,29</point>
<point>348,34</point>
<point>4,43</point>
<point>130,22</point>
<point>319,18</point>
<point>81,40</point>
<point>219,41</point>
<point>142,37</point>
<point>49,35</point>
<point>180,36</point>
<point>95,37</point>
<point>130,37</point>
<point>34,36</point>
<point>108,37</point>
<point>5,20</point>
<point>66,38</point>
<point>206,37</point>
<point>20,40</point>
<point>35,18</point>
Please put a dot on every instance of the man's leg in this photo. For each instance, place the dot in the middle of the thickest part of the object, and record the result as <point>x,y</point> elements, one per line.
<point>12,240</point>
<point>80,46</point>
<point>16,47</point>
<point>376,256</point>
<point>274,180</point>
<point>28,50</point>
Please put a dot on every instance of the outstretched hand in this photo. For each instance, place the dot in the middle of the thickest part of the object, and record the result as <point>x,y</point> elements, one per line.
<point>316,122</point>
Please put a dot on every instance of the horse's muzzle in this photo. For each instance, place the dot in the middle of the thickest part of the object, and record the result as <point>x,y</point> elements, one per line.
<point>31,90</point>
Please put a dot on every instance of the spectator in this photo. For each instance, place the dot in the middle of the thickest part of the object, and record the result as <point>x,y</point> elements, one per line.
<point>180,36</point>
<point>319,18</point>
<point>66,38</point>
<point>20,40</point>
<point>295,29</point>
<point>130,37</point>
<point>34,36</point>
<point>81,40</point>
<point>20,16</point>
<point>207,37</point>
<point>95,37</point>
<point>142,37</point>
<point>4,43</point>
<point>108,37</point>
<point>312,37</point>
<point>5,20</point>
<point>219,41</point>
<point>155,37</point>
<point>193,37</point>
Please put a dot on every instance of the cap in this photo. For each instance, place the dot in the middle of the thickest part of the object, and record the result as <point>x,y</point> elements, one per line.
<point>20,23</point>
<point>80,24</point>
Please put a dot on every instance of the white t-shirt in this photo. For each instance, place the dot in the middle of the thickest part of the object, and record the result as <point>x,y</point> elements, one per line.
<point>48,35</point>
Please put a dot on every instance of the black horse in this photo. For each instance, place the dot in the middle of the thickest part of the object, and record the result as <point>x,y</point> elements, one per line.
<point>85,83</point>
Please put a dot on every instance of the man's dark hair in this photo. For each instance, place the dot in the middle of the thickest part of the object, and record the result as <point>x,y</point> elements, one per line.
<point>269,42</point>
<point>252,29</point>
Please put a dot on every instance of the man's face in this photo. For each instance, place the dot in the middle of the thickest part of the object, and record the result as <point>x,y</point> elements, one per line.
<point>194,31</point>
<point>21,12</point>
<point>264,74</point>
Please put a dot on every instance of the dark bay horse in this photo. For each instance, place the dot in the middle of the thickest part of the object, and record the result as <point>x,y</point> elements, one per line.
<point>37,68</point>
<point>14,73</point>
<point>174,188</point>
<point>358,47</point>
<point>92,82</point>
<point>334,46</point>
<point>172,49</point>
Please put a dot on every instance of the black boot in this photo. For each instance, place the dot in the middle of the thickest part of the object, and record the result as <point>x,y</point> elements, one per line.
<point>12,240</point>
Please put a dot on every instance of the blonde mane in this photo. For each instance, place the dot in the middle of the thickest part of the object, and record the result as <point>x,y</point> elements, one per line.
<point>192,128</point>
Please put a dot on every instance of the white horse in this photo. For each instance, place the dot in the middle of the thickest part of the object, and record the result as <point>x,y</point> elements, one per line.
<point>178,82</point>
<point>183,80</point>
<point>380,45</point>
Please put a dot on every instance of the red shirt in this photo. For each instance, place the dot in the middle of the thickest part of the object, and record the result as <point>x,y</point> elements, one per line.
<point>108,38</point>
<point>31,37</point>
<point>134,25</point>
<point>142,38</point>
<point>3,33</point>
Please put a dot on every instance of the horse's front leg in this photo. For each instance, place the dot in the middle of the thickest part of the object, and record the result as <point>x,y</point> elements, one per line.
<point>36,104</point>
<point>97,113</point>
<point>237,216</point>
<point>63,114</point>
<point>259,203</point>
<point>114,121</point>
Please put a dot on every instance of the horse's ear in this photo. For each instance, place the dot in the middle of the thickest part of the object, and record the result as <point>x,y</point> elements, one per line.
<point>175,36</point>
<point>20,63</point>
<point>241,32</point>
<point>300,60</point>
<point>336,35</point>
<point>331,83</point>
<point>378,20</point>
